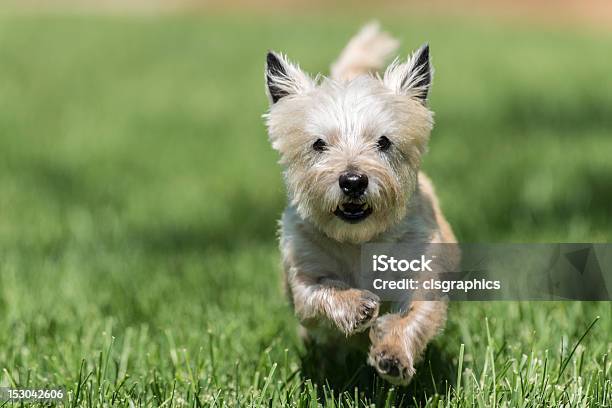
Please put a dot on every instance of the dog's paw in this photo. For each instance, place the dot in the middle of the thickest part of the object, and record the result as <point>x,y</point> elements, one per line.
<point>389,353</point>
<point>357,311</point>
<point>367,310</point>
<point>394,366</point>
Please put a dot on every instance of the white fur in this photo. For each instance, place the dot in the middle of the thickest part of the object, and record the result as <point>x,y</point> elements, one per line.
<point>350,117</point>
<point>320,251</point>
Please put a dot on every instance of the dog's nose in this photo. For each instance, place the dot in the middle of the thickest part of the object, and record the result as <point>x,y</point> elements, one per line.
<point>353,184</point>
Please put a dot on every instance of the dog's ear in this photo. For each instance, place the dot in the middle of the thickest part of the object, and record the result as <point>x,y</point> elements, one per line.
<point>412,78</point>
<point>284,78</point>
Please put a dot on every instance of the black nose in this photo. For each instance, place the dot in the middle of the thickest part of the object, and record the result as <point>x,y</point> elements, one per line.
<point>353,184</point>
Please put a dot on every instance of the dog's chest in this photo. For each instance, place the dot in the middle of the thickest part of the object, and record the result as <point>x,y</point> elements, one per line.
<point>347,260</point>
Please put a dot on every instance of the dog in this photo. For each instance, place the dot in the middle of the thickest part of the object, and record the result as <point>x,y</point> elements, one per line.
<point>351,146</point>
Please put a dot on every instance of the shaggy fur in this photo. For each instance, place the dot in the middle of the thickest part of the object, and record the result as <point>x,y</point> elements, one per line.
<point>324,128</point>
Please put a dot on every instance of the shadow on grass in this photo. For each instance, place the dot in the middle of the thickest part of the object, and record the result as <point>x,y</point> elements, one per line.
<point>346,374</point>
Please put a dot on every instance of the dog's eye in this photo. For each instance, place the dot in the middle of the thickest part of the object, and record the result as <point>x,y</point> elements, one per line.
<point>383,143</point>
<point>319,145</point>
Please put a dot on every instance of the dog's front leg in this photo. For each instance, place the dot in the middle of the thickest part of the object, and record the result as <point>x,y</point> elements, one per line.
<point>399,339</point>
<point>350,310</point>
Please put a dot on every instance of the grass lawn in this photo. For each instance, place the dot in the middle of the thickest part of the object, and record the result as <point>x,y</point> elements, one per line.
<point>139,195</point>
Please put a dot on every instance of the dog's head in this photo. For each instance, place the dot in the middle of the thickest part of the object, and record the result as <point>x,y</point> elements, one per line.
<point>351,150</point>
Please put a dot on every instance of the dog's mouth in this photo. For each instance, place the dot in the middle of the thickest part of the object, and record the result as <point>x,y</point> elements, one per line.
<point>353,212</point>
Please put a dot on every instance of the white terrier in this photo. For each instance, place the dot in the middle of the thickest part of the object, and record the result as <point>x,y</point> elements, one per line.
<point>351,148</point>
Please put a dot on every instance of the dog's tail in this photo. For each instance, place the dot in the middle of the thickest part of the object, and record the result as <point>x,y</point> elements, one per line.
<point>366,52</point>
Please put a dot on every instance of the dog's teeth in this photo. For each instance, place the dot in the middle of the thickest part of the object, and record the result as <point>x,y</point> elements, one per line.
<point>366,206</point>
<point>342,207</point>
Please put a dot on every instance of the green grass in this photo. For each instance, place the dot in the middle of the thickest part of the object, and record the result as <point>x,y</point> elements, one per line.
<point>138,199</point>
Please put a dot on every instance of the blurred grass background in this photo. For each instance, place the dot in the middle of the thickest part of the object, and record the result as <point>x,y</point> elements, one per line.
<point>139,199</point>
